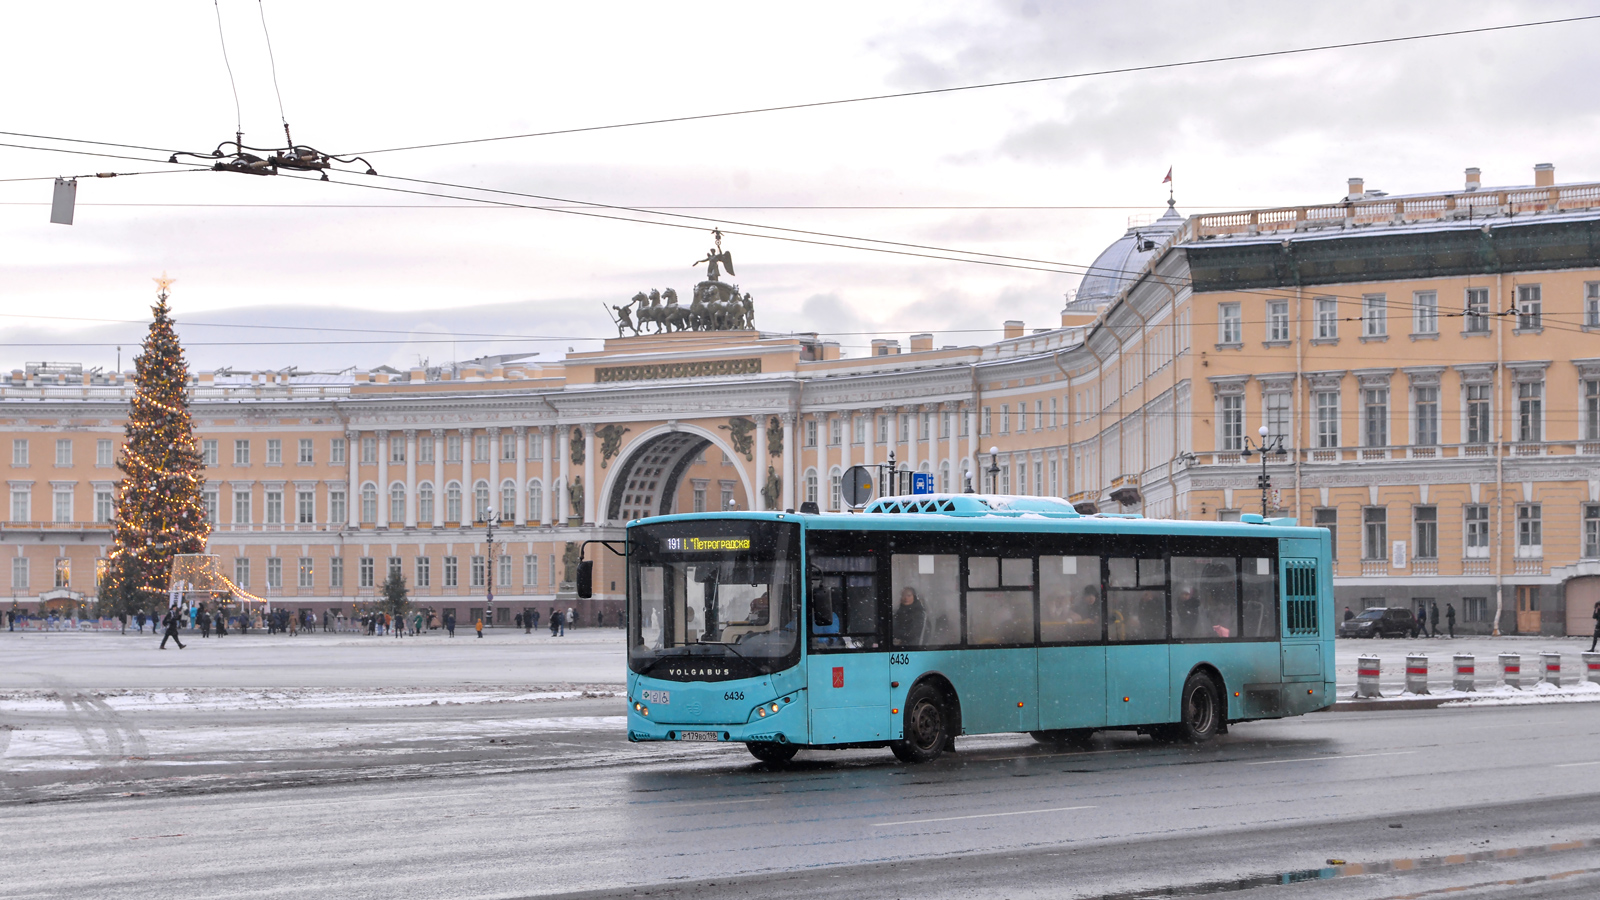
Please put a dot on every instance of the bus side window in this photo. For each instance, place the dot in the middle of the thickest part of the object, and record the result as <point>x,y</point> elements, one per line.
<point>1069,598</point>
<point>1205,597</point>
<point>925,590</point>
<point>1136,599</point>
<point>1260,598</point>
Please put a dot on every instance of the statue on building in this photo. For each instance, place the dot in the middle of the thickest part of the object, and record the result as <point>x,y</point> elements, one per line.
<point>716,255</point>
<point>715,305</point>
<point>610,441</point>
<point>772,490</point>
<point>575,494</point>
<point>741,432</point>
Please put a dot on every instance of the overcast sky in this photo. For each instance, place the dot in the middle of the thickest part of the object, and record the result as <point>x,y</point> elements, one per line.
<point>367,76</point>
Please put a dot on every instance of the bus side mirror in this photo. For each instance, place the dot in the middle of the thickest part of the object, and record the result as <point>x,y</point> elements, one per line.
<point>585,579</point>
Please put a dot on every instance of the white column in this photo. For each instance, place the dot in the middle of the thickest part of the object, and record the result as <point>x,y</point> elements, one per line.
<point>411,478</point>
<point>972,445</point>
<point>788,460</point>
<point>383,479</point>
<point>438,478</point>
<point>847,446</point>
<point>549,487</point>
<point>913,413</point>
<point>563,508</point>
<point>468,504</point>
<point>352,493</point>
<point>824,479</point>
<point>892,446</point>
<point>869,453</point>
<point>589,489</point>
<point>494,471</point>
<point>758,502</point>
<point>521,433</point>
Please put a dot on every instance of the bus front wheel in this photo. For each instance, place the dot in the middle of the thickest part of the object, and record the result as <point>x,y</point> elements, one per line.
<point>927,728</point>
<point>772,751</point>
<point>1201,710</point>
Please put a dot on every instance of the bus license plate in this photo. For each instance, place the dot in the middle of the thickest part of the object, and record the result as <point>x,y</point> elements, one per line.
<point>658,698</point>
<point>697,736</point>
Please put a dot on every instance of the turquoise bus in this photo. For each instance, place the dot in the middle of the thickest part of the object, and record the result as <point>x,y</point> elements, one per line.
<point>930,616</point>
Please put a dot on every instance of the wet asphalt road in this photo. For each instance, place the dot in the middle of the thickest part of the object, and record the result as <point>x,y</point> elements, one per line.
<point>545,798</point>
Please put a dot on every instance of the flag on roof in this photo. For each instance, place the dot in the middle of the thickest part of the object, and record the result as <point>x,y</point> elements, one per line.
<point>1168,179</point>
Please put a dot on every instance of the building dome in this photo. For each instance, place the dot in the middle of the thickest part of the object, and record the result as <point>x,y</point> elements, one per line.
<point>1117,265</point>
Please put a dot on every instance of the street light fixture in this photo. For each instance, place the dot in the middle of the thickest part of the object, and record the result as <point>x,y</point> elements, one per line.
<point>994,470</point>
<point>1266,445</point>
<point>488,607</point>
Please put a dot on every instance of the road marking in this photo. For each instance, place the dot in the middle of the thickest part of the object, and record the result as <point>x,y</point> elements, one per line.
<point>675,803</point>
<point>1273,762</point>
<point>1570,765</point>
<point>1020,812</point>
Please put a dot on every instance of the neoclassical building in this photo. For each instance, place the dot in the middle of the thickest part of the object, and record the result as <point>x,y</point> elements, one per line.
<point>1426,368</point>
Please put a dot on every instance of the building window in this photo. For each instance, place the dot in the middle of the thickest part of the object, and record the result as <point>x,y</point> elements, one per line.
<point>480,572</point>
<point>1277,320</point>
<point>1228,321</point>
<point>64,452</point>
<point>1277,415</point>
<point>905,428</point>
<point>699,497</point>
<point>63,504</point>
<point>530,570</point>
<point>480,448</point>
<point>63,572</point>
<point>19,573</point>
<point>1231,418</point>
<point>1530,530</point>
<point>1005,418</point>
<point>209,500</point>
<point>834,479</point>
<point>1374,315</point>
<point>1477,537</point>
<point>508,501</point>
<point>535,501</point>
<point>452,448</point>
<point>241,507</point>
<point>369,504</point>
<point>338,511</point>
<point>425,450</point>
<point>1327,313</point>
<point>1022,420</point>
<point>1477,318</point>
<point>727,498</point>
<point>811,485</point>
<point>504,575</point>
<point>424,572</point>
<point>1478,412</point>
<point>366,575</point>
<point>1591,530</point>
<point>1375,524</point>
<point>21,501</point>
<point>274,451</point>
<point>480,501</point>
<point>397,504</point>
<point>508,447</point>
<point>1591,304</point>
<point>811,432</point>
<point>306,574</point>
<point>241,453</point>
<point>452,572</point>
<point>102,505</point>
<point>19,452</point>
<point>395,566</point>
<point>1426,519</point>
<point>1591,410</point>
<point>105,452</point>
<point>883,429</point>
<point>369,451</point>
<point>1530,411</point>
<point>241,571</point>
<point>274,507</point>
<point>397,450</point>
<point>1474,609</point>
<point>452,503</point>
<point>1327,419</point>
<point>307,454</point>
<point>987,422</point>
<point>208,452</point>
<point>1530,313</point>
<point>336,572</point>
<point>1427,416</point>
<point>1425,312</point>
<point>1376,405</point>
<point>425,503</point>
<point>305,507</point>
<point>1328,518</point>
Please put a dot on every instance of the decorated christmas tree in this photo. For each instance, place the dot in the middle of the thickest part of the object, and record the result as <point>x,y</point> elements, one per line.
<point>160,510</point>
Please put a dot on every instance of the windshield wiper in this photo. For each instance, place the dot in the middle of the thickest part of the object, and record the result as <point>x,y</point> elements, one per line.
<point>729,647</point>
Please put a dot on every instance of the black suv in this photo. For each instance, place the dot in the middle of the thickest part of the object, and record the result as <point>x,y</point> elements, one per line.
<point>1380,622</point>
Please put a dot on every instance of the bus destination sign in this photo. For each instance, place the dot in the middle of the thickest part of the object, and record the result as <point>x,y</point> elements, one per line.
<point>706,545</point>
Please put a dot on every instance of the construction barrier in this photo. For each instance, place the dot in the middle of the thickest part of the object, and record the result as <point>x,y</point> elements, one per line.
<point>1416,673</point>
<point>1511,669</point>
<point>1591,666</point>
<point>1550,668</point>
<point>1466,677</point>
<point>1367,668</point>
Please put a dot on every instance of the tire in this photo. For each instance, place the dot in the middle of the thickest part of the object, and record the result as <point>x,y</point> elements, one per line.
<point>1064,737</point>
<point>1201,710</point>
<point>927,726</point>
<point>772,751</point>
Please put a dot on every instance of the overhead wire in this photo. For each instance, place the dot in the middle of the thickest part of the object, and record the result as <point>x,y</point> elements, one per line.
<point>273,61</point>
<point>238,111</point>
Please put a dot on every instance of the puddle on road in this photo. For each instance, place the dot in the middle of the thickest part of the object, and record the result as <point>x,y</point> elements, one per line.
<point>1413,864</point>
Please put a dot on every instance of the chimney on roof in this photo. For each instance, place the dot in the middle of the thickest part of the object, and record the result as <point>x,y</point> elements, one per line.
<point>920,342</point>
<point>1013,328</point>
<point>1357,189</point>
<point>1474,179</point>
<point>1544,175</point>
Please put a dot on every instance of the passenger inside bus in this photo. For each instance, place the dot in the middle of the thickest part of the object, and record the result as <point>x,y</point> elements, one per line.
<point>910,618</point>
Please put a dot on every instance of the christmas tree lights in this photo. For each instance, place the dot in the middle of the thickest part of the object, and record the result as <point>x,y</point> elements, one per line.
<point>159,507</point>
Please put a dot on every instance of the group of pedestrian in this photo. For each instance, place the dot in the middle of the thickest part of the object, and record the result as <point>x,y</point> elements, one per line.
<point>1428,618</point>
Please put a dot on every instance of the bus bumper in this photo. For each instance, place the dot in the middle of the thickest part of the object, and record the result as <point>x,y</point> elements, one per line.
<point>787,726</point>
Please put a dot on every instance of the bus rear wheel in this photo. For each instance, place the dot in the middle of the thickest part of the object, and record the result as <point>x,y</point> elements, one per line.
<point>927,727</point>
<point>772,751</point>
<point>1201,710</point>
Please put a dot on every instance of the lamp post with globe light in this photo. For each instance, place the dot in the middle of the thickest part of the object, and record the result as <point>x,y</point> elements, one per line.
<point>994,470</point>
<point>488,607</point>
<point>1266,445</point>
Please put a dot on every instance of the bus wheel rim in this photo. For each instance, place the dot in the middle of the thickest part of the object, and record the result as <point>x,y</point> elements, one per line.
<point>1200,709</point>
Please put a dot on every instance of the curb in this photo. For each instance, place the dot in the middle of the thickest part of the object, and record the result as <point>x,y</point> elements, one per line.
<point>1376,705</point>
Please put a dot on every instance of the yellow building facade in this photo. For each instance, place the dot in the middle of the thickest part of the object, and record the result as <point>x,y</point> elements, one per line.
<point>1427,365</point>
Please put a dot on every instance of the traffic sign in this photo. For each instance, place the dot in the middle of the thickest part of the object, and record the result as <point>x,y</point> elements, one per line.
<point>857,486</point>
<point>921,482</point>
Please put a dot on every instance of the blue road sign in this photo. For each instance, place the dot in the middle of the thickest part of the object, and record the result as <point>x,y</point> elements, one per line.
<point>921,483</point>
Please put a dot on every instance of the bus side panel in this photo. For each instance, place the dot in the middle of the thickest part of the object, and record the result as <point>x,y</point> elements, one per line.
<point>848,697</point>
<point>998,689</point>
<point>1137,689</point>
<point>1249,672</point>
<point>1072,687</point>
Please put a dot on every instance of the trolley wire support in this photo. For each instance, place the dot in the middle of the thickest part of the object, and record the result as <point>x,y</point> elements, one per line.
<point>236,156</point>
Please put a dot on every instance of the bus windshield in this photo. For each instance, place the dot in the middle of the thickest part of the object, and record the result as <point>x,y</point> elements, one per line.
<point>713,600</point>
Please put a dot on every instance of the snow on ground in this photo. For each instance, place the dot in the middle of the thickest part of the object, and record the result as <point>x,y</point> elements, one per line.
<point>230,699</point>
<point>1498,695</point>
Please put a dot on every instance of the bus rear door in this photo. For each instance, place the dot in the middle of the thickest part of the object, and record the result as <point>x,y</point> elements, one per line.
<point>1072,655</point>
<point>1137,680</point>
<point>847,670</point>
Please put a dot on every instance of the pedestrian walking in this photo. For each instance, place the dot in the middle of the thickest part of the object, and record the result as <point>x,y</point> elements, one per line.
<point>1422,620</point>
<point>569,618</point>
<point>536,618</point>
<point>205,624</point>
<point>478,624</point>
<point>1450,618</point>
<point>171,622</point>
<point>1596,638</point>
<point>220,623</point>
<point>1433,616</point>
<point>139,620</point>
<point>1348,615</point>
<point>11,621</point>
<point>123,618</point>
<point>450,623</point>
<point>517,620</point>
<point>600,619</point>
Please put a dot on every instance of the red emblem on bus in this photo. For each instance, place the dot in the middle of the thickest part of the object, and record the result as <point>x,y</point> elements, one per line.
<point>838,676</point>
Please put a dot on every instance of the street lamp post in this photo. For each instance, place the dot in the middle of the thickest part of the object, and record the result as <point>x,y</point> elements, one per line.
<point>994,470</point>
<point>488,607</point>
<point>1264,446</point>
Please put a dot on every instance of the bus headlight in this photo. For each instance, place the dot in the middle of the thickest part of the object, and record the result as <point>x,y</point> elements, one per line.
<point>774,707</point>
<point>763,712</point>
